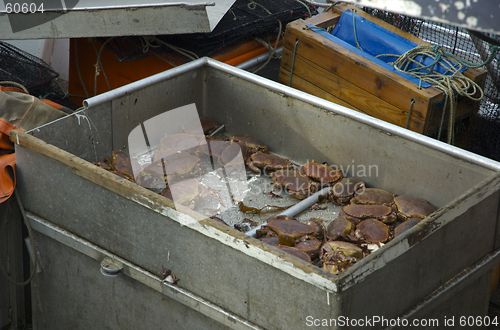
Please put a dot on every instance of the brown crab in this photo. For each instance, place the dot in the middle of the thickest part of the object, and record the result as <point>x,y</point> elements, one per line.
<point>267,162</point>
<point>358,212</point>
<point>250,144</point>
<point>404,226</point>
<point>182,141</point>
<point>339,227</point>
<point>207,125</point>
<point>412,207</point>
<point>372,196</point>
<point>319,228</point>
<point>325,174</point>
<point>295,252</point>
<point>372,231</point>
<point>342,192</point>
<point>297,185</point>
<point>120,164</point>
<point>310,245</point>
<point>337,256</point>
<point>185,192</point>
<point>288,229</point>
<point>231,155</point>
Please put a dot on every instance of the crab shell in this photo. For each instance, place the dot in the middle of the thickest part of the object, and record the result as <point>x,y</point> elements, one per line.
<point>251,144</point>
<point>337,227</point>
<point>404,226</point>
<point>342,192</point>
<point>319,228</point>
<point>412,207</point>
<point>321,172</point>
<point>295,252</point>
<point>232,155</point>
<point>309,245</point>
<point>182,141</point>
<point>373,196</point>
<point>288,229</point>
<point>207,125</point>
<point>260,160</point>
<point>358,212</point>
<point>185,192</point>
<point>298,185</point>
<point>372,231</point>
<point>335,251</point>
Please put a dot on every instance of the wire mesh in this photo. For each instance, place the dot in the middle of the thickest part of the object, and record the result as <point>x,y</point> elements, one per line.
<point>33,73</point>
<point>479,132</point>
<point>245,20</point>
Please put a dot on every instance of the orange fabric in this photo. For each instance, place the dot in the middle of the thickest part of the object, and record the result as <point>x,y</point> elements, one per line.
<point>7,162</point>
<point>11,89</point>
<point>52,104</point>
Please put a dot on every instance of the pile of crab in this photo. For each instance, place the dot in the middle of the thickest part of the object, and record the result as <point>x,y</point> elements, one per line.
<point>368,219</point>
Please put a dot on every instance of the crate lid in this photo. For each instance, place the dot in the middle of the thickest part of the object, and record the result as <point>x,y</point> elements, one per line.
<point>95,18</point>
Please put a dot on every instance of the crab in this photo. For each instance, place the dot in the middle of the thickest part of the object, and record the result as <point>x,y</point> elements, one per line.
<point>214,148</point>
<point>372,231</point>
<point>182,141</point>
<point>338,227</point>
<point>297,185</point>
<point>337,256</point>
<point>266,161</point>
<point>325,174</point>
<point>169,167</point>
<point>186,193</point>
<point>120,164</point>
<point>342,192</point>
<point>404,226</point>
<point>358,212</point>
<point>370,196</point>
<point>288,229</point>
<point>319,228</point>
<point>275,241</point>
<point>310,245</point>
<point>250,144</point>
<point>412,207</point>
<point>207,125</point>
<point>295,252</point>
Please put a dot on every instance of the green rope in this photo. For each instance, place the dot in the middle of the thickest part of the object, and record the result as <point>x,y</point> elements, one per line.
<point>452,82</point>
<point>354,28</point>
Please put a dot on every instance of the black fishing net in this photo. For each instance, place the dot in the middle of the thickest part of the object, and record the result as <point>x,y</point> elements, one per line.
<point>33,73</point>
<point>245,20</point>
<point>481,133</point>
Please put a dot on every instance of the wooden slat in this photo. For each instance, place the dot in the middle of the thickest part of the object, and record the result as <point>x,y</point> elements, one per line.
<point>325,19</point>
<point>348,65</point>
<point>305,86</point>
<point>335,89</point>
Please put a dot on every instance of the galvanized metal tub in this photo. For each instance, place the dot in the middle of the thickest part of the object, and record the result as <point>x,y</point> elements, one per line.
<point>422,272</point>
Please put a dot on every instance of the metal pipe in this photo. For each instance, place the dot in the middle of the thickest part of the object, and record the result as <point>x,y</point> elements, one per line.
<point>295,209</point>
<point>258,59</point>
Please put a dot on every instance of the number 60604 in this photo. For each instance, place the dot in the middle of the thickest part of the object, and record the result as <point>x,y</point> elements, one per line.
<point>24,8</point>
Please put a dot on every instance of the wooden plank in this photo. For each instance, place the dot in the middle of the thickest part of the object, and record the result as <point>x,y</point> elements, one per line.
<point>331,87</point>
<point>324,20</point>
<point>305,86</point>
<point>382,83</point>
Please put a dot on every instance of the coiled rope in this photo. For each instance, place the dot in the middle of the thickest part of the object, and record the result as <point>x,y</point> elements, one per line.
<point>452,81</point>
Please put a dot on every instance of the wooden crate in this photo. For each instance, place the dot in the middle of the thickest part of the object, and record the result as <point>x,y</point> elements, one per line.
<point>330,71</point>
